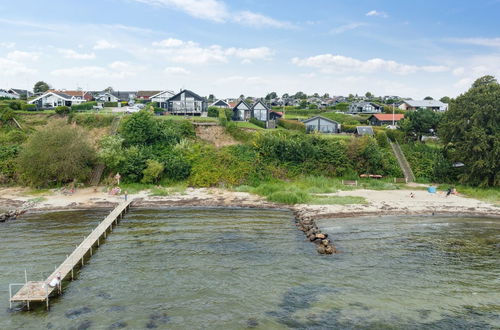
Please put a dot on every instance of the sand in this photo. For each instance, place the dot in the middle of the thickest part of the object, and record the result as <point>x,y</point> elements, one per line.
<point>379,202</point>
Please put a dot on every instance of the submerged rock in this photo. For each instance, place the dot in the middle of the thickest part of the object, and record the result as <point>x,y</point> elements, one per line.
<point>74,313</point>
<point>118,325</point>
<point>252,322</point>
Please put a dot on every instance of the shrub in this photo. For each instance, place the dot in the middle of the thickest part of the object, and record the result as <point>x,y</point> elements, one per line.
<point>133,163</point>
<point>15,105</point>
<point>140,128</point>
<point>176,166</point>
<point>349,128</point>
<point>29,107</point>
<point>152,173</point>
<point>395,135</point>
<point>213,112</point>
<point>381,137</point>
<point>56,154</point>
<point>62,110</point>
<point>84,106</point>
<point>92,120</point>
<point>8,156</point>
<point>123,103</point>
<point>257,122</point>
<point>110,104</point>
<point>292,125</point>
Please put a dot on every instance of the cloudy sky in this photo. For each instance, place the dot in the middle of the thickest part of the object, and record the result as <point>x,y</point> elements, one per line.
<point>251,47</point>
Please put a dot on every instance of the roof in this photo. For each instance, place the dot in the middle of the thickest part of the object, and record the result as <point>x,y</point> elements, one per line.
<point>219,102</point>
<point>364,130</point>
<point>425,103</point>
<point>261,102</point>
<point>147,93</point>
<point>322,118</point>
<point>58,94</point>
<point>244,103</point>
<point>162,92</point>
<point>187,91</point>
<point>388,116</point>
<point>20,91</point>
<point>69,93</point>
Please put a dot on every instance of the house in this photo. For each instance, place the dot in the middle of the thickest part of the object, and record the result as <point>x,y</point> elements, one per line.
<point>20,93</point>
<point>434,105</point>
<point>161,98</point>
<point>220,104</point>
<point>242,111</point>
<point>364,107</point>
<point>125,96</point>
<point>260,111</point>
<point>382,119</point>
<point>364,130</point>
<point>146,95</point>
<point>275,115</point>
<point>5,94</point>
<point>322,125</point>
<point>78,94</point>
<point>115,96</point>
<point>106,97</point>
<point>55,99</point>
<point>187,103</point>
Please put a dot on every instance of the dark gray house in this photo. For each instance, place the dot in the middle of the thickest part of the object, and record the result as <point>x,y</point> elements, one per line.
<point>242,111</point>
<point>187,103</point>
<point>260,111</point>
<point>364,107</point>
<point>220,104</point>
<point>322,125</point>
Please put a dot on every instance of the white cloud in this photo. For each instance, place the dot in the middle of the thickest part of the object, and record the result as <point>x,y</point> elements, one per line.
<point>10,67</point>
<point>175,70</point>
<point>258,20</point>
<point>18,55</point>
<point>329,63</point>
<point>487,42</point>
<point>458,71</point>
<point>104,44</point>
<point>7,45</point>
<point>211,10</point>
<point>217,11</point>
<point>115,69</point>
<point>346,27</point>
<point>377,13</point>
<point>190,52</point>
<point>70,53</point>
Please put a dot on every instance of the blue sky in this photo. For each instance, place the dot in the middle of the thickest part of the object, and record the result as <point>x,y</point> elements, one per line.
<point>251,47</point>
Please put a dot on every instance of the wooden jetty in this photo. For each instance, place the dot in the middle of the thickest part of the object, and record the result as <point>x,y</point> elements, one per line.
<point>32,291</point>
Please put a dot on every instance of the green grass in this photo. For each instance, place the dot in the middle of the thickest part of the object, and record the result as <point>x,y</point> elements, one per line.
<point>489,195</point>
<point>337,200</point>
<point>133,188</point>
<point>245,124</point>
<point>37,192</point>
<point>178,188</point>
<point>37,200</point>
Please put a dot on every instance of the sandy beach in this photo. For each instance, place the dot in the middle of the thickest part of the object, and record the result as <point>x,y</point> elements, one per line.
<point>379,202</point>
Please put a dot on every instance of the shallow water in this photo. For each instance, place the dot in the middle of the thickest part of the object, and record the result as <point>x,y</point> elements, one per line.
<point>235,268</point>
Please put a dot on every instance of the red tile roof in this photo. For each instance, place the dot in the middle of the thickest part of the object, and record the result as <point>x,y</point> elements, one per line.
<point>388,116</point>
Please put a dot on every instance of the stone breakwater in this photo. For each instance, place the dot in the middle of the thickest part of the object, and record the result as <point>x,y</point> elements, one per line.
<point>14,213</point>
<point>308,226</point>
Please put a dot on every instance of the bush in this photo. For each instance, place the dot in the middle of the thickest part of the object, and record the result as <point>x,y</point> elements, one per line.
<point>381,137</point>
<point>56,154</point>
<point>176,166</point>
<point>16,105</point>
<point>213,112</point>
<point>63,110</point>
<point>257,122</point>
<point>292,125</point>
<point>349,128</point>
<point>123,103</point>
<point>8,156</point>
<point>92,120</point>
<point>152,173</point>
<point>29,107</point>
<point>367,157</point>
<point>396,135</point>
<point>110,104</point>
<point>84,106</point>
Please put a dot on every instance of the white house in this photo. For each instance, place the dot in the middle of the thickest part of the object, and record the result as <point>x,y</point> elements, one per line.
<point>55,99</point>
<point>260,111</point>
<point>433,105</point>
<point>364,107</point>
<point>4,93</point>
<point>106,97</point>
<point>161,98</point>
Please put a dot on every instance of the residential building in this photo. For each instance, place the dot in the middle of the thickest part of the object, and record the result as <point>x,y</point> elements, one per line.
<point>364,107</point>
<point>242,111</point>
<point>55,99</point>
<point>146,95</point>
<point>5,94</point>
<point>221,104</point>
<point>187,103</point>
<point>322,125</point>
<point>433,105</point>
<point>383,119</point>
<point>161,98</point>
<point>78,94</point>
<point>21,93</point>
<point>260,111</point>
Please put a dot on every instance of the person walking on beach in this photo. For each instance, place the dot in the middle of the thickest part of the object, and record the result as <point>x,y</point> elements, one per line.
<point>126,195</point>
<point>448,192</point>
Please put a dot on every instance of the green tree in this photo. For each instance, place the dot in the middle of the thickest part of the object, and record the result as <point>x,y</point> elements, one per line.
<point>326,96</point>
<point>111,151</point>
<point>41,87</point>
<point>445,99</point>
<point>140,128</point>
<point>55,155</point>
<point>428,98</point>
<point>470,132</point>
<point>421,122</point>
<point>152,173</point>
<point>300,95</point>
<point>368,95</point>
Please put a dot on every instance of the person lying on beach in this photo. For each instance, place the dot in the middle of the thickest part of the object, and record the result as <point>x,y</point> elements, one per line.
<point>412,195</point>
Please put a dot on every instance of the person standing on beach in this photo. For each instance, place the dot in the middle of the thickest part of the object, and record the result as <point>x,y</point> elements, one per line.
<point>126,194</point>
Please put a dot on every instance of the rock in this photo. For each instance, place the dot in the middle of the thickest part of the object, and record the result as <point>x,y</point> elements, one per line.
<point>330,249</point>
<point>320,236</point>
<point>118,325</point>
<point>325,242</point>
<point>74,313</point>
<point>321,249</point>
<point>252,322</point>
<point>312,237</point>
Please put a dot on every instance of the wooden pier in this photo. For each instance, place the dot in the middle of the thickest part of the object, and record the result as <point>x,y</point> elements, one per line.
<point>40,291</point>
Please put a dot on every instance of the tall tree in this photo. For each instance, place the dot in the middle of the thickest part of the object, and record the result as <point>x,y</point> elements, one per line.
<point>326,96</point>
<point>41,87</point>
<point>300,95</point>
<point>445,99</point>
<point>420,122</point>
<point>470,132</point>
<point>368,95</point>
<point>428,98</point>
<point>271,96</point>
<point>211,98</point>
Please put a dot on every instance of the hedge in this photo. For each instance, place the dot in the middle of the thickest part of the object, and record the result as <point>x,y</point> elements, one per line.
<point>29,107</point>
<point>111,104</point>
<point>213,112</point>
<point>349,128</point>
<point>257,122</point>
<point>63,110</point>
<point>395,135</point>
<point>84,106</point>
<point>292,125</point>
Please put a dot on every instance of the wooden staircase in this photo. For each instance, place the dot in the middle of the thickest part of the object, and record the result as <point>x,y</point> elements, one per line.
<point>403,162</point>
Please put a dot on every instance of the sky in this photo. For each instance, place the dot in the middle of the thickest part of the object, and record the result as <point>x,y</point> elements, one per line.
<point>251,47</point>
